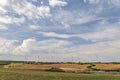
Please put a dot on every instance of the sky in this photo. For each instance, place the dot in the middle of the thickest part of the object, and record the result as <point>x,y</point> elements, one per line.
<point>60,30</point>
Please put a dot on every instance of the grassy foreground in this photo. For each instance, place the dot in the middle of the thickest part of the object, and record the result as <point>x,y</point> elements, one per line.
<point>10,74</point>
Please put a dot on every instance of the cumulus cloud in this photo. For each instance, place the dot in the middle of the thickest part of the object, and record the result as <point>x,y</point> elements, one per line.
<point>60,48</point>
<point>54,3</point>
<point>30,45</point>
<point>6,46</point>
<point>25,47</point>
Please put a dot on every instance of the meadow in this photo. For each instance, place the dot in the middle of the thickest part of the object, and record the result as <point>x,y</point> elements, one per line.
<point>12,74</point>
<point>31,71</point>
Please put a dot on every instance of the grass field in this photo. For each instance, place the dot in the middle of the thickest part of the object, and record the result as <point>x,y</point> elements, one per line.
<point>22,71</point>
<point>65,66</point>
<point>12,74</point>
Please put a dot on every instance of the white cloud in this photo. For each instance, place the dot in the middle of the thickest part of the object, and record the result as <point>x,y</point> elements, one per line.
<point>11,20</point>
<point>107,34</point>
<point>2,10</point>
<point>61,47</point>
<point>115,2</point>
<point>34,27</point>
<point>4,2</point>
<point>107,2</point>
<point>108,47</point>
<point>34,0</point>
<point>32,45</point>
<point>53,34</point>
<point>92,1</point>
<point>67,18</point>
<point>58,48</point>
<point>30,10</point>
<point>7,21</point>
<point>98,35</point>
<point>3,27</point>
<point>24,8</point>
<point>54,3</point>
<point>25,47</point>
<point>4,6</point>
<point>45,11</point>
<point>6,46</point>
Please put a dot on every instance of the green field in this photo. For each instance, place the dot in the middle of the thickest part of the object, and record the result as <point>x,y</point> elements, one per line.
<point>10,74</point>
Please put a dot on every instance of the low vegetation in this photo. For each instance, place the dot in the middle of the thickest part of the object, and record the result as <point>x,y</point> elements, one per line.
<point>55,69</point>
<point>12,74</point>
<point>14,70</point>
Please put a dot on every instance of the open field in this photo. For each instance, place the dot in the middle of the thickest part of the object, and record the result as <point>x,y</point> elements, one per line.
<point>66,66</point>
<point>12,74</point>
<point>51,71</point>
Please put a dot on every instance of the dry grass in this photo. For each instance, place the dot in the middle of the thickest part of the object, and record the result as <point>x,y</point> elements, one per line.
<point>49,66</point>
<point>64,66</point>
<point>108,66</point>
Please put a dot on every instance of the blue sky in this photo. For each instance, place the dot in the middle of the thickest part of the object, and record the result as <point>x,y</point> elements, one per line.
<point>60,30</point>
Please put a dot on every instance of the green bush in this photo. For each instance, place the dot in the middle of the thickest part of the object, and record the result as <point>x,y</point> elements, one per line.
<point>91,66</point>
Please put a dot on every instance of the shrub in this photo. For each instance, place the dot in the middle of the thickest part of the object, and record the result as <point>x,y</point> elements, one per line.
<point>54,69</point>
<point>91,66</point>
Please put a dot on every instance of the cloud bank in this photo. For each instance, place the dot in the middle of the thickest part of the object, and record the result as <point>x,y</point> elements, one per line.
<point>63,28</point>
